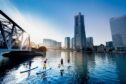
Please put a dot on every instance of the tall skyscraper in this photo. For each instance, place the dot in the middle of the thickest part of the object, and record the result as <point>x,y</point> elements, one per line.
<point>67,42</point>
<point>118,30</point>
<point>79,32</point>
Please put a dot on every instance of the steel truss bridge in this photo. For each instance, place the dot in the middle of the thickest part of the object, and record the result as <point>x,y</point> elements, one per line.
<point>12,36</point>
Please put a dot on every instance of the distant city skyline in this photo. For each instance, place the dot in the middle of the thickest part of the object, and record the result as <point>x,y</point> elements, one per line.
<point>54,19</point>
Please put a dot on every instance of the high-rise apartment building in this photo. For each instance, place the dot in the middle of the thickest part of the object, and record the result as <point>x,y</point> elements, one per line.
<point>67,42</point>
<point>118,30</point>
<point>79,32</point>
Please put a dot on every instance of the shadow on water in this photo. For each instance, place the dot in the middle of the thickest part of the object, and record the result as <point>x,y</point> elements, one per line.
<point>7,64</point>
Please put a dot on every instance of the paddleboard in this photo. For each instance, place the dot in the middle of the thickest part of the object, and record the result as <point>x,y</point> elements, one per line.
<point>69,66</point>
<point>62,68</point>
<point>43,71</point>
<point>44,77</point>
<point>29,70</point>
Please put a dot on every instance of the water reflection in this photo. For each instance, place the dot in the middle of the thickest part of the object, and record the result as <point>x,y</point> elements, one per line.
<point>121,69</point>
<point>77,68</point>
<point>81,67</point>
<point>102,69</point>
<point>29,67</point>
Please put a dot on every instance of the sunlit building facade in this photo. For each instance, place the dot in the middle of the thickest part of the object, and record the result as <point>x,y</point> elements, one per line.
<point>51,44</point>
<point>118,30</point>
<point>79,32</point>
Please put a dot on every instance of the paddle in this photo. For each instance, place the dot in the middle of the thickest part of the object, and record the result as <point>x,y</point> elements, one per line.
<point>29,70</point>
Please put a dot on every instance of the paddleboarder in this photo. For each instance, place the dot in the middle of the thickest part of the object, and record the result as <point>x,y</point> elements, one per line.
<point>44,64</point>
<point>61,61</point>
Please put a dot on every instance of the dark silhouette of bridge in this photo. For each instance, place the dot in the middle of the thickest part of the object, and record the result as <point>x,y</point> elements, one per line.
<point>12,36</point>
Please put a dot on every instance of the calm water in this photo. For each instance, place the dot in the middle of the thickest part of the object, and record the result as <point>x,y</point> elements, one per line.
<point>79,68</point>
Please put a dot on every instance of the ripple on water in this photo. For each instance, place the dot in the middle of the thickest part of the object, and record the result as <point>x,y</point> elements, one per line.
<point>98,68</point>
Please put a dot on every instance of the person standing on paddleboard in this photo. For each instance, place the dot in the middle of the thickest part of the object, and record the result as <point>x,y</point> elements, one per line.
<point>62,61</point>
<point>44,64</point>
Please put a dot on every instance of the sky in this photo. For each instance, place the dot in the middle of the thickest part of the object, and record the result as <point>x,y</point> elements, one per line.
<point>54,19</point>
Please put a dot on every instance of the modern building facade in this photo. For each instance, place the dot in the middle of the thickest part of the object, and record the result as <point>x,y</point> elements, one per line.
<point>109,44</point>
<point>89,42</point>
<point>67,42</point>
<point>72,43</point>
<point>59,45</point>
<point>79,32</point>
<point>52,44</point>
<point>118,30</point>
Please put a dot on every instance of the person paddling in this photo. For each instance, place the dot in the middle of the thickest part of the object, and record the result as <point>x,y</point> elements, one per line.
<point>62,61</point>
<point>44,65</point>
<point>61,68</point>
